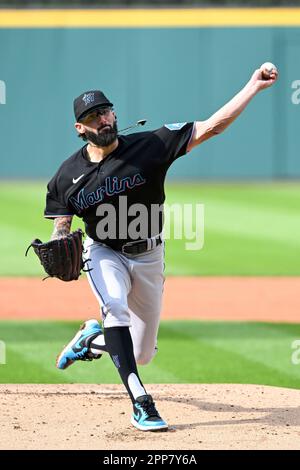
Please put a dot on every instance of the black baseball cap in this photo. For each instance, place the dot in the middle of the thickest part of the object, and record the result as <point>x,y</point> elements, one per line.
<point>88,101</point>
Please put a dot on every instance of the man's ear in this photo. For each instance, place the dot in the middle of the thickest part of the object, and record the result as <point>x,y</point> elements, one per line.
<point>79,128</point>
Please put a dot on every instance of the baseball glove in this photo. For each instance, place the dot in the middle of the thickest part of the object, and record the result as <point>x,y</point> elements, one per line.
<point>61,258</point>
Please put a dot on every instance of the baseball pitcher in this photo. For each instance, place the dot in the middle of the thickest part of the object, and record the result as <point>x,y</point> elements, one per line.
<point>114,183</point>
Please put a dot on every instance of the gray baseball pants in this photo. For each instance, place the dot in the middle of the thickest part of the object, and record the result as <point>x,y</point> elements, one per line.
<point>129,290</point>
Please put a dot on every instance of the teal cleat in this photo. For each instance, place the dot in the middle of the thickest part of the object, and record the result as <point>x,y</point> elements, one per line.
<point>145,416</point>
<point>78,347</point>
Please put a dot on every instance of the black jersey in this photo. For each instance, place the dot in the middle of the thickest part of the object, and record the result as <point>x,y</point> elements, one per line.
<point>134,173</point>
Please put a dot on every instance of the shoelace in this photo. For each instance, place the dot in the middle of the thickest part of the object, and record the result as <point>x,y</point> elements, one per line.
<point>86,356</point>
<point>83,357</point>
<point>149,408</point>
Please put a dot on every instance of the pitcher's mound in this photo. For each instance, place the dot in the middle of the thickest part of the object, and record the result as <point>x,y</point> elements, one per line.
<point>200,417</point>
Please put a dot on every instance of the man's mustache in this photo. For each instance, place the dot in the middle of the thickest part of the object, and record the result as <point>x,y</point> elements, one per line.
<point>107,125</point>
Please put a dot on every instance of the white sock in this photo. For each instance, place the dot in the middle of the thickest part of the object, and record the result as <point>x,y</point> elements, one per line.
<point>95,346</point>
<point>135,386</point>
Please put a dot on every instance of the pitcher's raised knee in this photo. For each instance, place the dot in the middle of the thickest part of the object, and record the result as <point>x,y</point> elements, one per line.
<point>144,358</point>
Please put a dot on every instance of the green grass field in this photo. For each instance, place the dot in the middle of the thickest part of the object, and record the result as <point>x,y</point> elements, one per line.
<point>250,229</point>
<point>189,352</point>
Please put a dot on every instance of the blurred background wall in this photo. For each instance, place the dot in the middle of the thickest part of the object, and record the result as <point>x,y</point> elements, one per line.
<point>161,73</point>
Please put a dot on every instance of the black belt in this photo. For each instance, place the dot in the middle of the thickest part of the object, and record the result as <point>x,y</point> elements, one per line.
<point>141,246</point>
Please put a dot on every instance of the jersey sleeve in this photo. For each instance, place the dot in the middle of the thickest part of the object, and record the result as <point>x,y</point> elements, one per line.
<point>55,205</point>
<point>175,138</point>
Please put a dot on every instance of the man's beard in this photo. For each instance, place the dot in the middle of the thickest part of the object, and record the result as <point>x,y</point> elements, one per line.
<point>105,137</point>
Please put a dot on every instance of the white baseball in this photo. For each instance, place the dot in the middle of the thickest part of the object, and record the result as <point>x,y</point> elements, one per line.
<point>267,68</point>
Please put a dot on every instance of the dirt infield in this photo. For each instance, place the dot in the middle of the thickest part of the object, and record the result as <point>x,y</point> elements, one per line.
<point>199,416</point>
<point>209,298</point>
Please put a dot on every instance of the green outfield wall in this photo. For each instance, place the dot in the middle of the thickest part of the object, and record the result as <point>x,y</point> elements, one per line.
<point>164,68</point>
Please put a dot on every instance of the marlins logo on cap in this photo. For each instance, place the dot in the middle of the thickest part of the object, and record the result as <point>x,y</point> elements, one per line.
<point>88,98</point>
